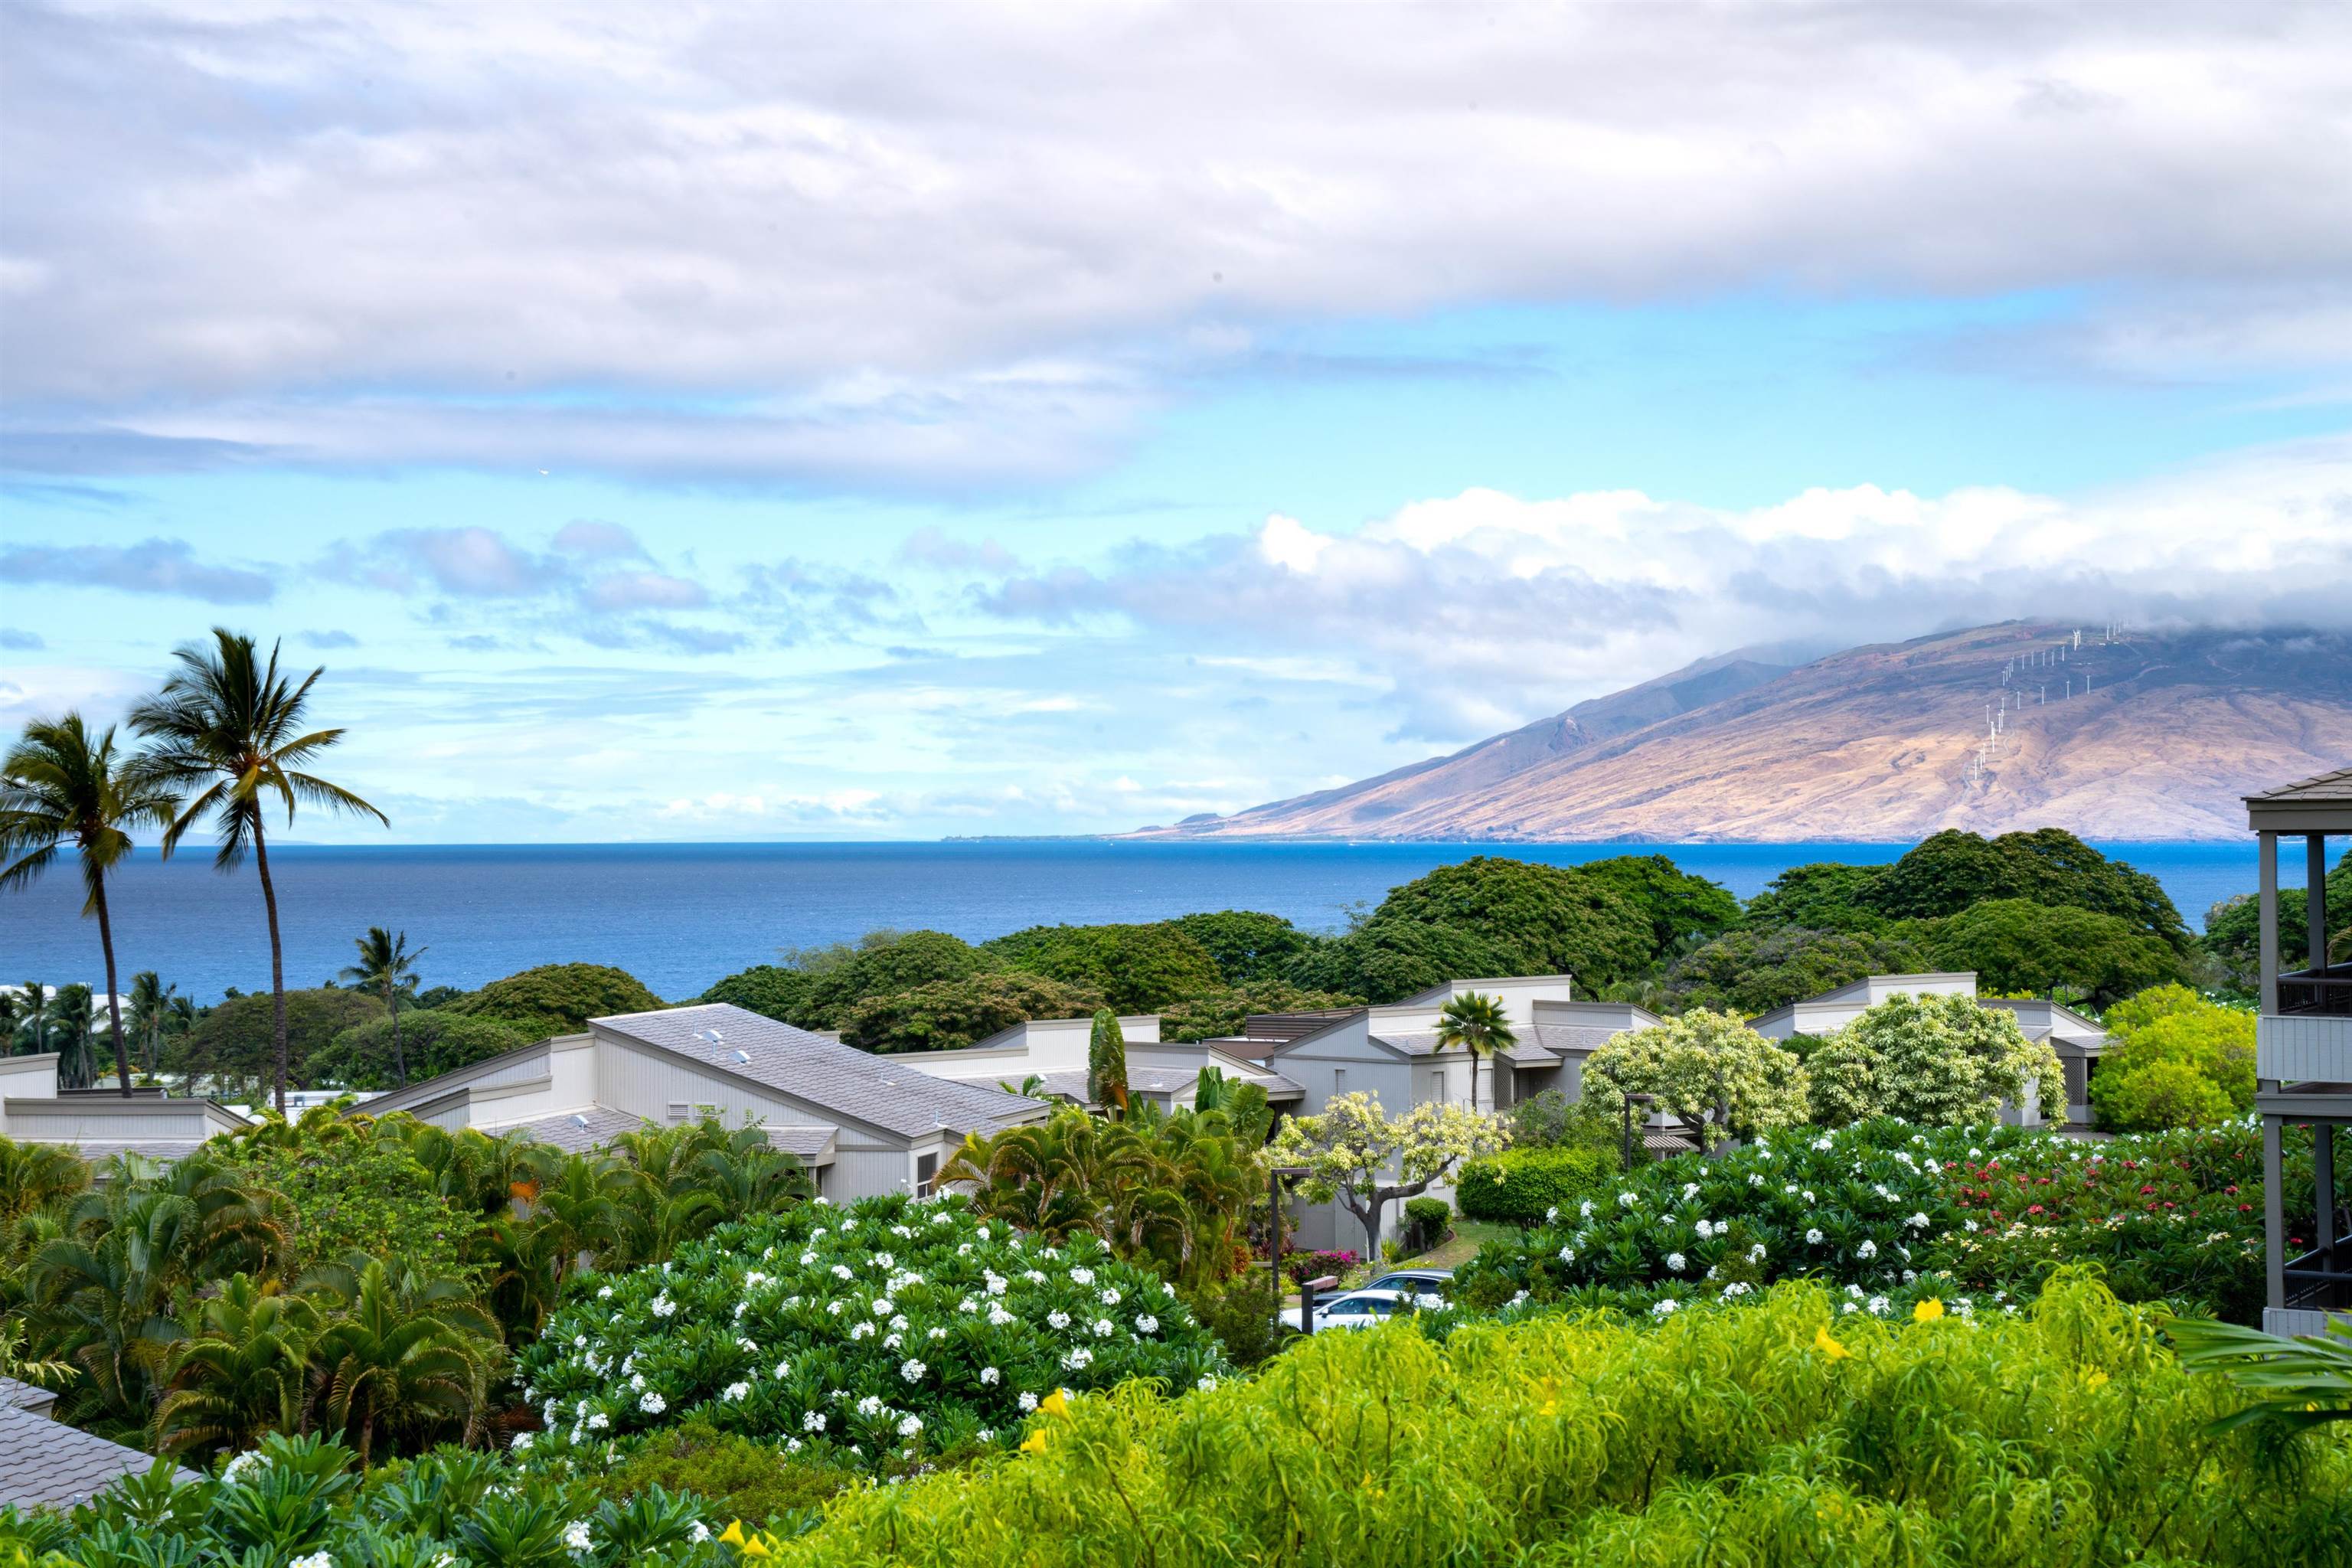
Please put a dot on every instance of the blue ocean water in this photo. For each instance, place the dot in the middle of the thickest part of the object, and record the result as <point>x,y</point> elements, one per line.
<point>678,916</point>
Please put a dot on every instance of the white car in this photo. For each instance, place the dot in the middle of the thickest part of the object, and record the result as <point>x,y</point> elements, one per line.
<point>1361,1309</point>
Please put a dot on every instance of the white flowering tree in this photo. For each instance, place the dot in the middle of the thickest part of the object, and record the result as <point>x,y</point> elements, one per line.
<point>1936,1060</point>
<point>1356,1153</point>
<point>1708,1068</point>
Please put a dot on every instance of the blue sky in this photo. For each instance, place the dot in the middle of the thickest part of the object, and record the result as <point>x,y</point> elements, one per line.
<point>798,423</point>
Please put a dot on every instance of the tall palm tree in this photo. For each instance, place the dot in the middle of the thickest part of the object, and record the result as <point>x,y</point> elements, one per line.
<point>75,1011</point>
<point>151,1003</point>
<point>1478,1025</point>
<point>60,786</point>
<point>387,968</point>
<point>12,1013</point>
<point>233,725</point>
<point>35,1022</point>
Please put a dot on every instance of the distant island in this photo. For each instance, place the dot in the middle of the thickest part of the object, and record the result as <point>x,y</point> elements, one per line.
<point>2112,733</point>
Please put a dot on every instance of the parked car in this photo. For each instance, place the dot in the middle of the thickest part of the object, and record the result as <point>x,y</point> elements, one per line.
<point>1421,1282</point>
<point>1361,1309</point>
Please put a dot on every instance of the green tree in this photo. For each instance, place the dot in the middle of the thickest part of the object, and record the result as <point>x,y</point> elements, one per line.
<point>1953,872</point>
<point>1106,1063</point>
<point>2169,1036</point>
<point>947,1014</point>
<point>354,1185</point>
<point>770,990</point>
<point>1248,948</point>
<point>387,968</point>
<point>1823,895</point>
<point>557,998</point>
<point>1137,968</point>
<point>1683,909</point>
<point>438,1041</point>
<point>1356,1153</point>
<point>1933,1060</point>
<point>403,1355</point>
<point>238,1039</point>
<point>883,963</point>
<point>1708,1068</point>
<point>152,1014</point>
<point>2020,948</point>
<point>1475,1023</point>
<point>72,1009</point>
<point>231,728</point>
<point>2233,929</point>
<point>1221,1014</point>
<point>60,786</point>
<point>36,1023</point>
<point>1755,969</point>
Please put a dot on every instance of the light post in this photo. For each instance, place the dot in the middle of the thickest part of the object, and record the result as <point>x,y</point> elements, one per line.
<point>1644,1102</point>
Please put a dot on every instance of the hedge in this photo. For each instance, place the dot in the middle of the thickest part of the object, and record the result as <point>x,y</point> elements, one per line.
<point>1519,1187</point>
<point>1780,1433</point>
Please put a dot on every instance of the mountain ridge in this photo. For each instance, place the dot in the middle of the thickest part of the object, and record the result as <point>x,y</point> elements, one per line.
<point>1887,741</point>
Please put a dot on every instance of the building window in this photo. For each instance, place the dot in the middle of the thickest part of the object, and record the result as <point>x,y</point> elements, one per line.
<point>1339,1082</point>
<point>927,1167</point>
<point>1437,1087</point>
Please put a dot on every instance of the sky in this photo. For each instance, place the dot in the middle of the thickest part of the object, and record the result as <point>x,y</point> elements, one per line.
<point>759,422</point>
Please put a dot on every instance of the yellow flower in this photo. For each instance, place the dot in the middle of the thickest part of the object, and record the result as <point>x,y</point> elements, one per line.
<point>734,1534</point>
<point>1054,1404</point>
<point>1035,1443</point>
<point>1828,1345</point>
<point>2094,1379</point>
<point>1928,1311</point>
<point>757,1547</point>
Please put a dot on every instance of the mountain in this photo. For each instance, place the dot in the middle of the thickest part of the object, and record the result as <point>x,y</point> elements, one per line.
<point>1883,742</point>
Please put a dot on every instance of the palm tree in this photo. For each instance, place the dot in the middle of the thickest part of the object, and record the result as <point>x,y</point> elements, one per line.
<point>1478,1025</point>
<point>12,1013</point>
<point>58,787</point>
<point>389,969</point>
<point>241,1371</point>
<point>228,722</point>
<point>74,1010</point>
<point>152,1005</point>
<point>400,1353</point>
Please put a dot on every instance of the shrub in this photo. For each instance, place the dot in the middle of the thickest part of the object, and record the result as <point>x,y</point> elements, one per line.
<point>1137,968</point>
<point>1784,1434</point>
<point>1936,1060</point>
<point>895,1327</point>
<point>1706,1068</point>
<point>557,998</point>
<point>2159,1095</point>
<point>1241,1315</point>
<point>1428,1222</point>
<point>1753,971</point>
<point>2197,1056</point>
<point>434,1042</point>
<point>1301,1266</point>
<point>1525,1186</point>
<point>236,1038</point>
<point>738,1477</point>
<point>348,1191</point>
<point>2017,948</point>
<point>947,1014</point>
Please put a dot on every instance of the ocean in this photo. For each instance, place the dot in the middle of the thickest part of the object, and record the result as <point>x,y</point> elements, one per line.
<point>679,916</point>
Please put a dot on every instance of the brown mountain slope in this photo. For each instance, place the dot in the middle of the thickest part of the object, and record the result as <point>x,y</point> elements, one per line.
<point>1883,742</point>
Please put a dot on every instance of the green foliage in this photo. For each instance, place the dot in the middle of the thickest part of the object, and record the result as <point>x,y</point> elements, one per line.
<point>1218,1015</point>
<point>947,1014</point>
<point>1478,1025</point>
<point>1171,1193</point>
<point>835,1346</point>
<point>1241,1317</point>
<point>2062,1438</point>
<point>1954,871</point>
<point>1106,1061</point>
<point>1427,1223</point>
<point>1933,1060</point>
<point>1755,969</point>
<point>347,1191</point>
<point>2018,948</point>
<point>234,1039</point>
<point>1137,968</point>
<point>434,1042</point>
<point>1527,1187</point>
<point>1707,1069</point>
<point>739,1477</point>
<point>1821,896</point>
<point>1355,1152</point>
<point>2233,928</point>
<point>1248,948</point>
<point>884,963</point>
<point>768,989</point>
<point>1485,917</point>
<point>1682,908</point>
<point>557,998</point>
<point>2292,1384</point>
<point>2179,1061</point>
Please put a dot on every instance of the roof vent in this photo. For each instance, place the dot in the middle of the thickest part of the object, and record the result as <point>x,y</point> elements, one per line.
<point>712,1036</point>
<point>579,1121</point>
<point>744,1056</point>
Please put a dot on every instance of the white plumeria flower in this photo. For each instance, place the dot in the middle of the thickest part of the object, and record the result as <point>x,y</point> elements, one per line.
<point>653,1404</point>
<point>1207,1383</point>
<point>1674,1261</point>
<point>989,1376</point>
<point>1756,1253</point>
<point>1664,1307</point>
<point>316,1560</point>
<point>1812,1238</point>
<point>577,1537</point>
<point>698,1532</point>
<point>870,1406</point>
<point>1102,1327</point>
<point>1867,1249</point>
<point>1108,1298</point>
<point>521,1443</point>
<point>600,1421</point>
<point>912,1371</point>
<point>735,1391</point>
<point>1079,1359</point>
<point>1568,1255</point>
<point>813,1422</point>
<point>910,1427</point>
<point>664,1306</point>
<point>1878,1306</point>
<point>1028,1401</point>
<point>1057,1319</point>
<point>1082,1276</point>
<point>1147,1324</point>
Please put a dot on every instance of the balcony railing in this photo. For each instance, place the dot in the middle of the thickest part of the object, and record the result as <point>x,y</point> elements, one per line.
<point>2325,990</point>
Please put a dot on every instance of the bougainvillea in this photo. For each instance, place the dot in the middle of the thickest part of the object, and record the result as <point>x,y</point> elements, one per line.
<point>893,1328</point>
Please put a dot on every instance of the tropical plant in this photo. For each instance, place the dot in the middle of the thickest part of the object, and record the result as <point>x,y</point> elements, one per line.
<point>35,1022</point>
<point>1755,969</point>
<point>2018,948</point>
<point>360,1056</point>
<point>947,1015</point>
<point>229,727</point>
<point>1530,1186</point>
<point>2179,1061</point>
<point>1936,1060</point>
<point>2291,1384</point>
<point>1106,1063</point>
<point>557,998</point>
<point>1708,1068</point>
<point>401,1354</point>
<point>16,1359</point>
<point>242,1371</point>
<point>387,968</point>
<point>152,1014</point>
<point>1216,1015</point>
<point>73,1010</point>
<point>1135,968</point>
<point>61,786</point>
<point>1476,1023</point>
<point>1356,1153</point>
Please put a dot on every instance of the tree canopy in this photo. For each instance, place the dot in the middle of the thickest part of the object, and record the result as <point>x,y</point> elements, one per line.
<point>1936,1060</point>
<point>1824,895</point>
<point>236,1037</point>
<point>1222,1012</point>
<point>1355,1152</point>
<point>1138,968</point>
<point>1681,908</point>
<point>1708,1068</point>
<point>770,990</point>
<point>557,998</point>
<point>1246,946</point>
<point>1753,970</point>
<point>949,1015</point>
<point>2020,948</point>
<point>2179,1061</point>
<point>435,1041</point>
<point>1954,871</point>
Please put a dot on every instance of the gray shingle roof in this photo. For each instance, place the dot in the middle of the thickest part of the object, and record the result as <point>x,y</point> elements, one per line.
<point>25,1395</point>
<point>48,1463</point>
<point>1574,1038</point>
<point>897,1097</point>
<point>1411,1045</point>
<point>565,1131</point>
<point>2329,788</point>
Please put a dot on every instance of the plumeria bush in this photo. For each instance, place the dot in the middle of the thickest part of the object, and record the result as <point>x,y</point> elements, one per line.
<point>1937,1060</point>
<point>892,1330</point>
<point>1708,1068</point>
<point>1890,1214</point>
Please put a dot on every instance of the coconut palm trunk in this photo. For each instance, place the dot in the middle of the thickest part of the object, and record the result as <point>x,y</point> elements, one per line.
<point>114,1002</point>
<point>277,961</point>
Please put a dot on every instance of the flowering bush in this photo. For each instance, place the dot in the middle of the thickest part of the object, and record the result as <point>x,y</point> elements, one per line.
<point>1888,1213</point>
<point>1709,1069</point>
<point>1934,1059</point>
<point>1302,1266</point>
<point>895,1328</point>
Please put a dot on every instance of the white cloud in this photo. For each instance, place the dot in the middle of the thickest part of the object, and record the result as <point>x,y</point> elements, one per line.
<point>963,244</point>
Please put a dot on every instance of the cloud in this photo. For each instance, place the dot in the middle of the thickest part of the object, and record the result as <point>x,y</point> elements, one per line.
<point>596,540</point>
<point>23,642</point>
<point>150,566</point>
<point>643,591</point>
<point>473,562</point>
<point>330,639</point>
<point>972,247</point>
<point>935,549</point>
<point>1482,611</point>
